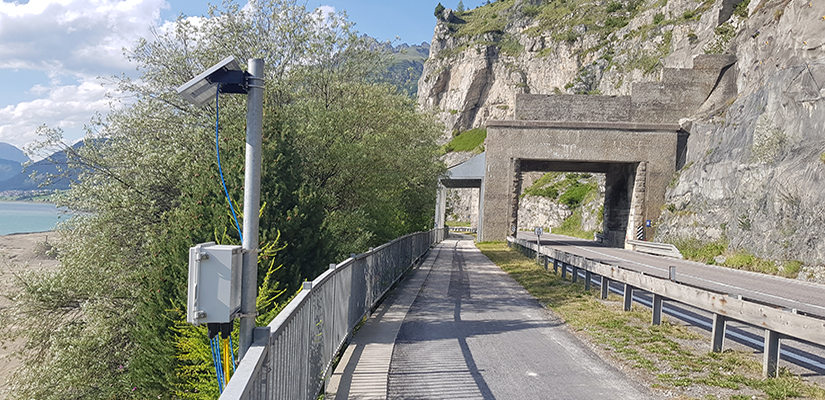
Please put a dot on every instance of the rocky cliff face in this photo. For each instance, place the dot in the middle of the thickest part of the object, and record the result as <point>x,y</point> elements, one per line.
<point>754,172</point>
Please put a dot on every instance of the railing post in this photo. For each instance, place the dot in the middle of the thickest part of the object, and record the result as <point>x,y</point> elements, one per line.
<point>605,287</point>
<point>718,333</point>
<point>657,309</point>
<point>770,362</point>
<point>628,297</point>
<point>588,276</point>
<point>575,277</point>
<point>563,270</point>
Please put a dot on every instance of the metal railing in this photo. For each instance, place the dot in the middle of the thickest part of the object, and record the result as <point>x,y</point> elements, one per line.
<point>658,249</point>
<point>292,357</point>
<point>463,229</point>
<point>776,321</point>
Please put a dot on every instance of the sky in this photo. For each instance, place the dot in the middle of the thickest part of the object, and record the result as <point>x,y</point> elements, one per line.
<point>53,53</point>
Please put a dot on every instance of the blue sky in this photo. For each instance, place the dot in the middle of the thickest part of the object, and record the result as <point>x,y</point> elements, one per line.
<point>53,51</point>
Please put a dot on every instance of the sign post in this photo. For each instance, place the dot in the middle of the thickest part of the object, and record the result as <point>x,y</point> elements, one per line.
<point>538,231</point>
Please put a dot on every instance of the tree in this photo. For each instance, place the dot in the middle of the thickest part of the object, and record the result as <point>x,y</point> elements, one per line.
<point>346,158</point>
<point>439,10</point>
<point>460,7</point>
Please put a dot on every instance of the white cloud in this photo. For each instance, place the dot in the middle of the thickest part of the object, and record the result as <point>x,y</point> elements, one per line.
<point>70,41</point>
<point>68,107</point>
<point>74,37</point>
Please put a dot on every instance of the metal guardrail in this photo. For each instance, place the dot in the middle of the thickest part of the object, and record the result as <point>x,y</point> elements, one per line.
<point>292,357</point>
<point>776,321</point>
<point>659,249</point>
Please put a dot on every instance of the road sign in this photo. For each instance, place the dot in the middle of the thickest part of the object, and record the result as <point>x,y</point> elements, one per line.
<point>538,231</point>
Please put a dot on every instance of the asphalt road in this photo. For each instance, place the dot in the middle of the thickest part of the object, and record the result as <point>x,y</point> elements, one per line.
<point>787,293</point>
<point>474,333</point>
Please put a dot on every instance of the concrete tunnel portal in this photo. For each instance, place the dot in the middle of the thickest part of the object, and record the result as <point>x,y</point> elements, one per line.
<point>637,141</point>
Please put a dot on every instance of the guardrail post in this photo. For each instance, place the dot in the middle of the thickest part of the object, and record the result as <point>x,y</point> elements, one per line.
<point>628,297</point>
<point>718,332</point>
<point>575,277</point>
<point>657,309</point>
<point>545,262</point>
<point>770,362</point>
<point>563,270</point>
<point>587,278</point>
<point>605,287</point>
<point>555,266</point>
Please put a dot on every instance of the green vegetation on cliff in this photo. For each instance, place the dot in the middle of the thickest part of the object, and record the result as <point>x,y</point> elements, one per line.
<point>472,140</point>
<point>573,190</point>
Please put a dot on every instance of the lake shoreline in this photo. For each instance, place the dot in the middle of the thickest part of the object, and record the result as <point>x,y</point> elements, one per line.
<point>30,216</point>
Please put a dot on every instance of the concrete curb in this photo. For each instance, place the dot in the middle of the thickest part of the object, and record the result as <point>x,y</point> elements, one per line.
<point>363,370</point>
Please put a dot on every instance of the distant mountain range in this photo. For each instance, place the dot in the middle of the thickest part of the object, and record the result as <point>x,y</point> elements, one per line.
<point>9,152</point>
<point>406,66</point>
<point>14,177</point>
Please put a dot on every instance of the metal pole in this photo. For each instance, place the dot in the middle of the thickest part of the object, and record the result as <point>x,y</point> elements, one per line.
<point>251,202</point>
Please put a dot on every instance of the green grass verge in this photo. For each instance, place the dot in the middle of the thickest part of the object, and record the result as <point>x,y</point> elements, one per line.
<point>658,351</point>
<point>707,252</point>
<point>458,223</point>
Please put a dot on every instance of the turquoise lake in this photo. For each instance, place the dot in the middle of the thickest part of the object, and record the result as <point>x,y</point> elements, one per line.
<point>22,217</point>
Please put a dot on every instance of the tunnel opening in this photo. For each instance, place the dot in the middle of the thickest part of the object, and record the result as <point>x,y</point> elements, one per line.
<point>624,195</point>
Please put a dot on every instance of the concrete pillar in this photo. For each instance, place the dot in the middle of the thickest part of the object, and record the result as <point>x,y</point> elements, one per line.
<point>619,181</point>
<point>770,360</point>
<point>718,333</point>
<point>441,206</point>
<point>480,227</point>
<point>515,191</point>
<point>657,309</point>
<point>637,215</point>
<point>628,297</point>
<point>605,287</point>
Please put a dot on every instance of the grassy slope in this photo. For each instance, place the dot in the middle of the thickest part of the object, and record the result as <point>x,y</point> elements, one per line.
<point>472,140</point>
<point>670,355</point>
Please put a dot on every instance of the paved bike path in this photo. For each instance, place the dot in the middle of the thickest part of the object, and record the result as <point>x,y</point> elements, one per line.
<point>472,332</point>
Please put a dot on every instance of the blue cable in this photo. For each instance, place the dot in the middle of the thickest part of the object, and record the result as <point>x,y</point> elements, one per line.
<point>220,170</point>
<point>216,363</point>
